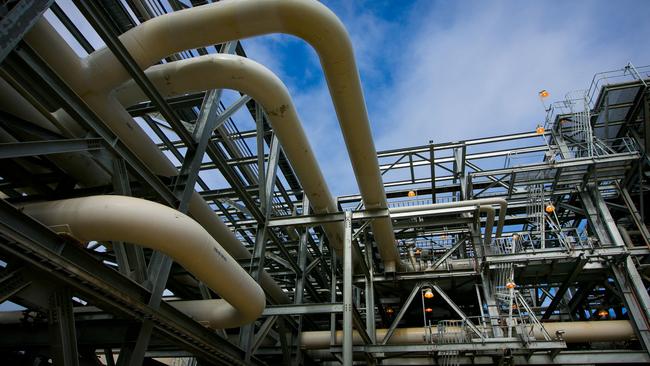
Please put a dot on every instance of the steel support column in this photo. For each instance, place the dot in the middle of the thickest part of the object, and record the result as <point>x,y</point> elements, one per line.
<point>62,328</point>
<point>347,292</point>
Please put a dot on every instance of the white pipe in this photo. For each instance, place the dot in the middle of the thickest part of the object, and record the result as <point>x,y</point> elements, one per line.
<point>51,47</point>
<point>574,332</point>
<point>222,71</point>
<point>161,228</point>
<point>484,206</point>
<point>237,19</point>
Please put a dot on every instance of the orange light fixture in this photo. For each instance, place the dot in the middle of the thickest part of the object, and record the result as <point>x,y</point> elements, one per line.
<point>389,310</point>
<point>549,208</point>
<point>510,285</point>
<point>603,313</point>
<point>428,310</point>
<point>412,194</point>
<point>428,294</point>
<point>544,93</point>
<point>539,130</point>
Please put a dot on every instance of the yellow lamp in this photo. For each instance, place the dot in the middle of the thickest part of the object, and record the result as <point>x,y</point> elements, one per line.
<point>544,93</point>
<point>539,130</point>
<point>549,208</point>
<point>510,285</point>
<point>603,313</point>
<point>412,194</point>
<point>428,294</point>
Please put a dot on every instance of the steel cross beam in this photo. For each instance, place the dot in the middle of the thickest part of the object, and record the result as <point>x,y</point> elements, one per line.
<point>14,150</point>
<point>42,75</point>
<point>347,291</point>
<point>130,258</point>
<point>559,294</point>
<point>20,19</point>
<point>160,264</point>
<point>97,17</point>
<point>401,313</point>
<point>12,282</point>
<point>30,241</point>
<point>458,311</point>
<point>61,320</point>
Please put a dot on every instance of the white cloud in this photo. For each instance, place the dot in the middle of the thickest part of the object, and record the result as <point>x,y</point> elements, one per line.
<point>480,75</point>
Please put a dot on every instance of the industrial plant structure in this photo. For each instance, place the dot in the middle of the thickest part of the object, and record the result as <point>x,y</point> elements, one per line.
<point>118,248</point>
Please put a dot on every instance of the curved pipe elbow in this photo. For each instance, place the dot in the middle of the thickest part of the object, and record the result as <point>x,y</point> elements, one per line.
<point>152,225</point>
<point>222,71</point>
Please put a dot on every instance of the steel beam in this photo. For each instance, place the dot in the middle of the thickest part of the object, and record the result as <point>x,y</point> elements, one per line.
<point>18,21</point>
<point>62,328</point>
<point>12,150</point>
<point>12,282</point>
<point>97,17</point>
<point>42,248</point>
<point>568,282</point>
<point>400,314</point>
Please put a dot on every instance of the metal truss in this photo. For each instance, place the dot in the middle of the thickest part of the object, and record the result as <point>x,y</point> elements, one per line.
<point>586,259</point>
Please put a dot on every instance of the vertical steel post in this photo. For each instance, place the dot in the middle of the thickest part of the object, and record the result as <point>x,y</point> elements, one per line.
<point>347,291</point>
<point>301,278</point>
<point>62,328</point>
<point>370,295</point>
<point>433,171</point>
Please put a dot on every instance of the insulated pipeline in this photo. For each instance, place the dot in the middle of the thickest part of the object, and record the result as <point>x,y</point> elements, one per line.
<point>146,223</point>
<point>224,21</point>
<point>222,71</point>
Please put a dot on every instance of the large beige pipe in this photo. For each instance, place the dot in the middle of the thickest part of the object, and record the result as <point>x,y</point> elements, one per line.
<point>221,71</point>
<point>161,228</point>
<point>574,332</point>
<point>237,19</point>
<point>51,47</point>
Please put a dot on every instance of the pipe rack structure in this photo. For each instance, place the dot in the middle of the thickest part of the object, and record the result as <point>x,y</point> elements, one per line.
<point>118,246</point>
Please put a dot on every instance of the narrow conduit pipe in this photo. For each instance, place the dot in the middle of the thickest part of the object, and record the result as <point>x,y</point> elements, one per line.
<point>237,19</point>
<point>223,71</point>
<point>58,54</point>
<point>574,332</point>
<point>484,205</point>
<point>161,228</point>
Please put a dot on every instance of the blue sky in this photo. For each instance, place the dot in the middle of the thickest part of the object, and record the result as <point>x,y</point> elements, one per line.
<point>447,71</point>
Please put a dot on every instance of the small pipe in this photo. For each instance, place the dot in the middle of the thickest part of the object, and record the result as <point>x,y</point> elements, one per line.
<point>625,234</point>
<point>485,202</point>
<point>146,223</point>
<point>413,260</point>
